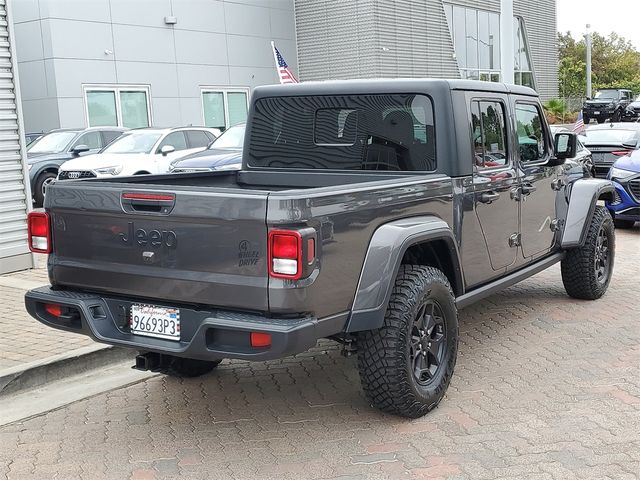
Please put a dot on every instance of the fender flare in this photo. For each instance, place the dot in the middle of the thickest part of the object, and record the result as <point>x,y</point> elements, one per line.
<point>386,249</point>
<point>582,204</point>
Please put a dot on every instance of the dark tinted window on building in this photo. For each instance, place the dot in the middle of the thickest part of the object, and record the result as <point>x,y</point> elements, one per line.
<point>347,132</point>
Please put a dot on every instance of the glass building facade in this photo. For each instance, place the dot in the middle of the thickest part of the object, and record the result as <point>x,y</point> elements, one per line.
<point>476,41</point>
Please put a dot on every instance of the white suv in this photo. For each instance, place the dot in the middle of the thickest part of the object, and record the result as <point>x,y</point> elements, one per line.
<point>141,151</point>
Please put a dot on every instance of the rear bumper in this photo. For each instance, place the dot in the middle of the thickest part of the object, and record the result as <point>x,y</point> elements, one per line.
<point>205,334</point>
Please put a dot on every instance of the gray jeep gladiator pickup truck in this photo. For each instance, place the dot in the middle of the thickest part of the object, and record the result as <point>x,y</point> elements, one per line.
<point>367,212</point>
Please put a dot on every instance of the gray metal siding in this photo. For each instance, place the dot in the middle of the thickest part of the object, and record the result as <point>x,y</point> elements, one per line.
<point>541,30</point>
<point>14,251</point>
<point>340,39</point>
<point>336,39</point>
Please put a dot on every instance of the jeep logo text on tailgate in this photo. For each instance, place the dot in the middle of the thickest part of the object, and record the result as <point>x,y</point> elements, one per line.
<point>154,238</point>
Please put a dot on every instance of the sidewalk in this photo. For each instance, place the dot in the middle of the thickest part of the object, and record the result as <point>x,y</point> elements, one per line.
<point>25,341</point>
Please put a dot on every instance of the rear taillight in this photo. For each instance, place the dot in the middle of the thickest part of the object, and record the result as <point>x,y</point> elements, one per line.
<point>285,254</point>
<point>39,232</point>
<point>622,153</point>
<point>292,253</point>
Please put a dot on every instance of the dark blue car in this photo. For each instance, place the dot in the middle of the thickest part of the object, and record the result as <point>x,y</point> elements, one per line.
<point>225,153</point>
<point>625,174</point>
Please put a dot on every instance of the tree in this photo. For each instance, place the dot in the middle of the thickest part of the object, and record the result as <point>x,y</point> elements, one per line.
<point>615,62</point>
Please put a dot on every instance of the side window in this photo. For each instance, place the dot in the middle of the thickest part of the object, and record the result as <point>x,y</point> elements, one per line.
<point>110,135</point>
<point>532,144</point>
<point>489,137</point>
<point>197,138</point>
<point>92,140</point>
<point>176,140</point>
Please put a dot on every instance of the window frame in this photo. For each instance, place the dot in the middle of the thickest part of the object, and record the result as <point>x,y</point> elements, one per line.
<point>225,100</point>
<point>116,89</point>
<point>546,134</point>
<point>509,164</point>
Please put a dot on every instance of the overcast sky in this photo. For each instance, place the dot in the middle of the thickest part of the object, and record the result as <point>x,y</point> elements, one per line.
<point>605,16</point>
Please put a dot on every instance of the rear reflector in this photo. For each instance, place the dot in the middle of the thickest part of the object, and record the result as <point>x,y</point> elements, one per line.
<point>39,232</point>
<point>259,339</point>
<point>285,254</point>
<point>53,309</point>
<point>148,196</point>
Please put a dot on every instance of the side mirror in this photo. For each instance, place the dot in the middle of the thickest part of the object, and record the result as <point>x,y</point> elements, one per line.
<point>167,149</point>
<point>78,149</point>
<point>565,145</point>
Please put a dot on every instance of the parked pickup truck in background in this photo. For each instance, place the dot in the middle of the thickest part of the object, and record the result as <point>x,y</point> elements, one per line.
<point>367,212</point>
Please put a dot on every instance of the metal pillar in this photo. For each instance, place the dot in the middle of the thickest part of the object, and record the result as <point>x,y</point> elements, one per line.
<point>506,40</point>
<point>587,40</point>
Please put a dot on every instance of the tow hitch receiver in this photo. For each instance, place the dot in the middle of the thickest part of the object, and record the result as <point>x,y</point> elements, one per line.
<point>152,361</point>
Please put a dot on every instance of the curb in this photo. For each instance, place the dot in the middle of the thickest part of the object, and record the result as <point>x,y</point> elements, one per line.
<point>77,361</point>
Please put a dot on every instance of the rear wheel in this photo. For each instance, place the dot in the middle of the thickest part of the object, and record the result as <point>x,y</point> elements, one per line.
<point>600,119</point>
<point>586,119</point>
<point>586,270</point>
<point>406,365</point>
<point>43,181</point>
<point>189,367</point>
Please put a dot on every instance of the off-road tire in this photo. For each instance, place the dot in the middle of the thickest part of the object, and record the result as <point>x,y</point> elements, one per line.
<point>623,223</point>
<point>385,362</point>
<point>579,273</point>
<point>38,194</point>
<point>189,367</point>
<point>617,115</point>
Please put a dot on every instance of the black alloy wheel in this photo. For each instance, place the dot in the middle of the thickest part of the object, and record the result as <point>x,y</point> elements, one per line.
<point>428,342</point>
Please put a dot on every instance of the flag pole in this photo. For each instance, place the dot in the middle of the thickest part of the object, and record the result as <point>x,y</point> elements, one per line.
<point>275,58</point>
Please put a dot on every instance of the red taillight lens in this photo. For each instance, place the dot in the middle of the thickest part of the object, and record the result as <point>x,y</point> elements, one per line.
<point>259,339</point>
<point>39,232</point>
<point>285,246</point>
<point>622,153</point>
<point>53,309</point>
<point>285,254</point>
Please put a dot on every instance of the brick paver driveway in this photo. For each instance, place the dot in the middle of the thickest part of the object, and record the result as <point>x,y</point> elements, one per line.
<point>545,387</point>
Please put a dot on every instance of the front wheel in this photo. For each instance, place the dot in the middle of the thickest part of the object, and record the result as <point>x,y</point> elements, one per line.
<point>586,270</point>
<point>406,365</point>
<point>617,115</point>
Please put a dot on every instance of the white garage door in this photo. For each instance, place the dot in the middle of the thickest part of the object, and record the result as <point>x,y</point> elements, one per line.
<point>14,252</point>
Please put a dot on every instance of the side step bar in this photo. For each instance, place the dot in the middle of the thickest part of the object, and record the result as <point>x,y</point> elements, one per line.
<point>504,282</point>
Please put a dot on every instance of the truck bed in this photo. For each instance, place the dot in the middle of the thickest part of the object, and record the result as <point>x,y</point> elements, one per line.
<point>207,244</point>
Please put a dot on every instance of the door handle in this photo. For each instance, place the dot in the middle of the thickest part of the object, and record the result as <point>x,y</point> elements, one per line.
<point>527,188</point>
<point>488,197</point>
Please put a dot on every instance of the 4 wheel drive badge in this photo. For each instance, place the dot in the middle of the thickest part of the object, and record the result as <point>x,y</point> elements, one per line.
<point>74,174</point>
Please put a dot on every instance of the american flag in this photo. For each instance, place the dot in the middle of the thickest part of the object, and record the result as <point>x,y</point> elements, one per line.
<point>579,125</point>
<point>285,74</point>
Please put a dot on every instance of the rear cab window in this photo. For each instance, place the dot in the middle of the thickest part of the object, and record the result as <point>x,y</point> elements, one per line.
<point>387,132</point>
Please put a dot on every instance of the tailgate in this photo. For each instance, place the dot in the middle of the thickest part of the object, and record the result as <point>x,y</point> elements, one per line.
<point>171,244</point>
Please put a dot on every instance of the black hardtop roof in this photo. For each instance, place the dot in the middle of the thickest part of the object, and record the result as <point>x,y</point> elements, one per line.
<point>399,85</point>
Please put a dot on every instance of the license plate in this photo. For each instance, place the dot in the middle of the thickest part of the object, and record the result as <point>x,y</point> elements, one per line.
<point>153,321</point>
<point>596,113</point>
